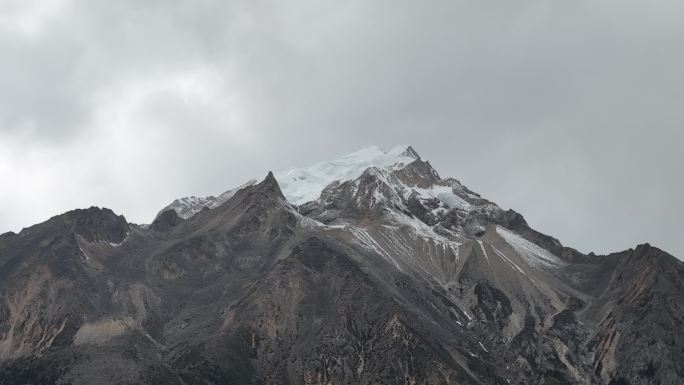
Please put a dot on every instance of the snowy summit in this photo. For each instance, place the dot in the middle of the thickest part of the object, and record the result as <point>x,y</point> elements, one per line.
<point>301,185</point>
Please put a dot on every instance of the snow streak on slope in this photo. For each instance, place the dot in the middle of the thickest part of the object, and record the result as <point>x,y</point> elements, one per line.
<point>484,252</point>
<point>510,262</point>
<point>301,185</point>
<point>534,254</point>
<point>367,241</point>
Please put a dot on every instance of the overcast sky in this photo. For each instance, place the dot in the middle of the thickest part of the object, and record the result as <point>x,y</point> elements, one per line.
<point>570,112</point>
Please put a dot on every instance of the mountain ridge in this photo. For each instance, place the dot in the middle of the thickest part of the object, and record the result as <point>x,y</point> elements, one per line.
<point>391,275</point>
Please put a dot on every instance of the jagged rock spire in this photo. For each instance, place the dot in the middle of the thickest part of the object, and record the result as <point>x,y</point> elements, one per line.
<point>270,184</point>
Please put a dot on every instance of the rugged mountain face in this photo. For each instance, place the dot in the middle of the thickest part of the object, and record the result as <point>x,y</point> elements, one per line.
<point>370,269</point>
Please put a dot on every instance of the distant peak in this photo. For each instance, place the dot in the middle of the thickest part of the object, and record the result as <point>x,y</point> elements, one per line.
<point>270,184</point>
<point>411,152</point>
<point>270,178</point>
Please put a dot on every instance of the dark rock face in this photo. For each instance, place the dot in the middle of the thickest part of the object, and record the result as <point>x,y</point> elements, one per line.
<point>419,173</point>
<point>165,221</point>
<point>95,224</point>
<point>371,284</point>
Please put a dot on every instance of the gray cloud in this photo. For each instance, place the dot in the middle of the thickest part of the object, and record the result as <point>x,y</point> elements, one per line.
<point>569,112</point>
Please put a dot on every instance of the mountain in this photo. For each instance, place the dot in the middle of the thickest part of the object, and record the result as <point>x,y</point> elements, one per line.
<point>369,269</point>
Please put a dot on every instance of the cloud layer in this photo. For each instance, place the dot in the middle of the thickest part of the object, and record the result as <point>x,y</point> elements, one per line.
<point>569,112</point>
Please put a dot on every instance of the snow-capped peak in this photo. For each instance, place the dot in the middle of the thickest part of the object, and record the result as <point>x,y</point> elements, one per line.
<point>305,184</point>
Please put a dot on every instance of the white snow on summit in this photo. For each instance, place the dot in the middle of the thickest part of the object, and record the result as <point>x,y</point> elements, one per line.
<point>305,184</point>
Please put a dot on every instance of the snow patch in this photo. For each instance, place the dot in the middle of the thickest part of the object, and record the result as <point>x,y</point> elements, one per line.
<point>122,241</point>
<point>85,256</point>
